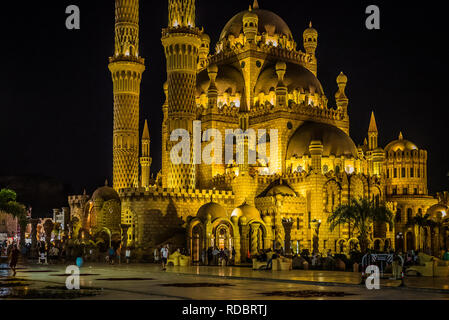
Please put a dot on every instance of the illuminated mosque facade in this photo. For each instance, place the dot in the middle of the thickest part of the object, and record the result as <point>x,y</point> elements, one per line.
<point>254,78</point>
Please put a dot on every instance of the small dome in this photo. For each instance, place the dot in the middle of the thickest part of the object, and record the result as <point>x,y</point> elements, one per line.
<point>229,80</point>
<point>401,145</point>
<point>205,38</point>
<point>342,78</point>
<point>266,18</point>
<point>213,209</point>
<point>105,193</point>
<point>250,14</point>
<point>335,141</point>
<point>282,190</point>
<point>247,211</point>
<point>296,78</point>
<point>310,31</point>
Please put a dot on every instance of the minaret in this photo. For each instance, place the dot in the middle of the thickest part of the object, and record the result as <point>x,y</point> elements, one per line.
<point>145,159</point>
<point>372,133</point>
<point>126,67</point>
<point>340,97</point>
<point>181,41</point>
<point>281,88</point>
<point>310,37</point>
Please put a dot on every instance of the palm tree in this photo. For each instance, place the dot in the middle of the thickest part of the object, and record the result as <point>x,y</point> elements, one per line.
<point>421,222</point>
<point>361,214</point>
<point>9,204</point>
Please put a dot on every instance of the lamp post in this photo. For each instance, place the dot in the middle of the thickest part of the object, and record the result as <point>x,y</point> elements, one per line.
<point>316,239</point>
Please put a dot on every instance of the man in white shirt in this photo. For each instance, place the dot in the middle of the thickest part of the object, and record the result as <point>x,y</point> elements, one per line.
<point>164,257</point>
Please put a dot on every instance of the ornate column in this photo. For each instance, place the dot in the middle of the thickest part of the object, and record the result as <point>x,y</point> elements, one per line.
<point>268,238</point>
<point>287,224</point>
<point>254,238</point>
<point>237,244</point>
<point>244,231</point>
<point>125,228</point>
<point>316,240</point>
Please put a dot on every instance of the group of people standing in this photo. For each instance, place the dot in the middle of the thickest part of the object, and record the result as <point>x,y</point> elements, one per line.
<point>216,256</point>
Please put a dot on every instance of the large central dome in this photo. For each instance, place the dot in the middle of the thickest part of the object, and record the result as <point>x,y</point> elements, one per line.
<point>335,141</point>
<point>267,20</point>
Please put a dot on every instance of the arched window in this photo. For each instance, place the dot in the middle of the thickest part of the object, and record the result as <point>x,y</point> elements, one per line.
<point>409,214</point>
<point>398,215</point>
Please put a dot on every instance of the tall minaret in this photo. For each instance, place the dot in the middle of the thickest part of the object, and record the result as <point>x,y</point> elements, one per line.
<point>126,67</point>
<point>181,41</point>
<point>372,133</point>
<point>145,159</point>
<point>310,37</point>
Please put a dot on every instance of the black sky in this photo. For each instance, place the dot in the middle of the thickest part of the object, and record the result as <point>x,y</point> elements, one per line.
<point>56,90</point>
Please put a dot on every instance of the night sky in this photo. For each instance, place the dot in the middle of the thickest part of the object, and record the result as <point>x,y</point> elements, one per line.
<point>56,90</point>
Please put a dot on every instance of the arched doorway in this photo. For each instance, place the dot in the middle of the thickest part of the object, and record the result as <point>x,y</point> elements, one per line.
<point>387,245</point>
<point>197,242</point>
<point>410,241</point>
<point>223,236</point>
<point>377,245</point>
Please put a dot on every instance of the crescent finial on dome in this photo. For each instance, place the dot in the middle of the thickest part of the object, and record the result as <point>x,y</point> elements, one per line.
<point>401,136</point>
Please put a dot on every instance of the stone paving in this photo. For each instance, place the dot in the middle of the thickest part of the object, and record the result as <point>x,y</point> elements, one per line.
<point>241,283</point>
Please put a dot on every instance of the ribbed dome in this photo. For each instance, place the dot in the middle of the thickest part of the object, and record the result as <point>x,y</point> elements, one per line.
<point>282,190</point>
<point>296,78</point>
<point>247,211</point>
<point>228,80</point>
<point>266,18</point>
<point>213,209</point>
<point>401,144</point>
<point>105,193</point>
<point>335,141</point>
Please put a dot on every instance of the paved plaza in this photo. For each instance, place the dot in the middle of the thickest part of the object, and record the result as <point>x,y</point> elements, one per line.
<point>149,282</point>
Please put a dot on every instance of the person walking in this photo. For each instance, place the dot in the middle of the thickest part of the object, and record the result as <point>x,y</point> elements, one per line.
<point>164,256</point>
<point>14,259</point>
<point>118,253</point>
<point>111,255</point>
<point>156,255</point>
<point>128,255</point>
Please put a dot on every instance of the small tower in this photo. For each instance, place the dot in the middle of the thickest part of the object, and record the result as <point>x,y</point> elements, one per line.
<point>126,68</point>
<point>250,25</point>
<point>204,51</point>
<point>340,97</point>
<point>281,88</point>
<point>372,133</point>
<point>182,42</point>
<point>212,92</point>
<point>310,37</point>
<point>145,159</point>
<point>316,151</point>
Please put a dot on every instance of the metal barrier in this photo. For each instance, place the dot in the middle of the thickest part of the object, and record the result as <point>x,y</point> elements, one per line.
<point>375,259</point>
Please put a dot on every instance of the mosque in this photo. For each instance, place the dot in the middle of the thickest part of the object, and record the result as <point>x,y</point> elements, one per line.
<point>257,78</point>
